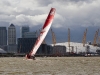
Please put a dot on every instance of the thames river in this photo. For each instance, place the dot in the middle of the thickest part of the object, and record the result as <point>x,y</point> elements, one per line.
<point>50,66</point>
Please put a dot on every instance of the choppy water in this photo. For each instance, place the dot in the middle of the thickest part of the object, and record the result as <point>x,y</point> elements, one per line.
<point>50,66</point>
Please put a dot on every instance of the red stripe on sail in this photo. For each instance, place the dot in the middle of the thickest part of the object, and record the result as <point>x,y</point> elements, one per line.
<point>49,18</point>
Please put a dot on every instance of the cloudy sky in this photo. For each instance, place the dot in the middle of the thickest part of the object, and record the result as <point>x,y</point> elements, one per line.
<point>74,14</point>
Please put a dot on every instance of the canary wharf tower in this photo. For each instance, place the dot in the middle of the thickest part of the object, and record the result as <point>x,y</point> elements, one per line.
<point>11,35</point>
<point>12,47</point>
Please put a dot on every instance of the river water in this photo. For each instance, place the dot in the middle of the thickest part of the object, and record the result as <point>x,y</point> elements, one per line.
<point>50,66</point>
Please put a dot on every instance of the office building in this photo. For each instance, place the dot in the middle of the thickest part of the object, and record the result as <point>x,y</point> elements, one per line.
<point>25,45</point>
<point>12,47</point>
<point>30,35</point>
<point>23,30</point>
<point>11,34</point>
<point>3,36</point>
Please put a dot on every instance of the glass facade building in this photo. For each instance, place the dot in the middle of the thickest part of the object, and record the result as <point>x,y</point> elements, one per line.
<point>12,47</point>
<point>23,30</point>
<point>25,45</point>
<point>3,36</point>
<point>11,35</point>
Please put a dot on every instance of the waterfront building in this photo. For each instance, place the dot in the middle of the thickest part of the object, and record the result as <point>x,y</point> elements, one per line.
<point>30,35</point>
<point>11,34</point>
<point>12,47</point>
<point>23,30</point>
<point>25,45</point>
<point>3,36</point>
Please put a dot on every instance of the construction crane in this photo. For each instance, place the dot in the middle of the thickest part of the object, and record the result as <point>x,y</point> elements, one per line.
<point>53,37</point>
<point>69,39</point>
<point>84,37</point>
<point>99,39</point>
<point>95,38</point>
<point>54,42</point>
<point>71,48</point>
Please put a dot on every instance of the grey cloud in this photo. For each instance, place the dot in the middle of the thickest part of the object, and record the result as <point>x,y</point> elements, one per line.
<point>69,12</point>
<point>72,14</point>
<point>5,3</point>
<point>44,3</point>
<point>3,23</point>
<point>31,12</point>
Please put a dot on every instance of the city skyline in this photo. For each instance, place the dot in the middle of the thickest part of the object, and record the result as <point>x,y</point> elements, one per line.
<point>8,39</point>
<point>74,14</point>
<point>76,35</point>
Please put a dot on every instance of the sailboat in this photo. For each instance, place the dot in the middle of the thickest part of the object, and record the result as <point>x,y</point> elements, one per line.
<point>43,34</point>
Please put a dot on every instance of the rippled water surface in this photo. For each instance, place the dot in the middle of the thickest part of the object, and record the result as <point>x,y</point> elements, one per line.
<point>50,66</point>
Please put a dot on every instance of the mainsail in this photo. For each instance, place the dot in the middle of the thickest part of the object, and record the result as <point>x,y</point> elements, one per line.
<point>43,33</point>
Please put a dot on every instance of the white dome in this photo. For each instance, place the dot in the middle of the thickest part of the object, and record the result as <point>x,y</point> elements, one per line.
<point>2,51</point>
<point>79,46</point>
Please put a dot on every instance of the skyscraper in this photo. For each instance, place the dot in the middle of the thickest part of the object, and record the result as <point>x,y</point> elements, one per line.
<point>23,30</point>
<point>30,35</point>
<point>11,34</point>
<point>3,36</point>
<point>12,47</point>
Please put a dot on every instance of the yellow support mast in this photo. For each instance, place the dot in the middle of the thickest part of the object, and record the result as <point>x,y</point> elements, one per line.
<point>69,39</point>
<point>53,37</point>
<point>84,38</point>
<point>95,38</point>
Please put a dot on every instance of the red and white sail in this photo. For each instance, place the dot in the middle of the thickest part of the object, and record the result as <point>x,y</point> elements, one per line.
<point>43,32</point>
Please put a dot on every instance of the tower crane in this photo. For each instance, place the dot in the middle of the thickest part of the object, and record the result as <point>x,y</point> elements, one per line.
<point>53,37</point>
<point>71,48</point>
<point>54,42</point>
<point>84,37</point>
<point>69,39</point>
<point>95,38</point>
